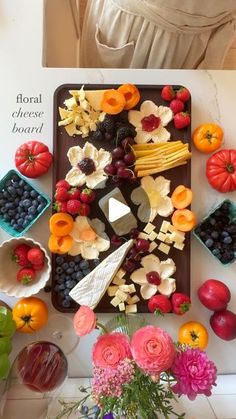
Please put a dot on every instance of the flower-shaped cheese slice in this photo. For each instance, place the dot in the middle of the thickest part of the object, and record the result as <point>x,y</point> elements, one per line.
<point>152,198</point>
<point>150,122</point>
<point>163,270</point>
<point>88,166</point>
<point>89,238</point>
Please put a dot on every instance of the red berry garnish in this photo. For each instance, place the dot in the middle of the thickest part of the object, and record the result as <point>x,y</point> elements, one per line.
<point>153,278</point>
<point>142,245</point>
<point>151,122</point>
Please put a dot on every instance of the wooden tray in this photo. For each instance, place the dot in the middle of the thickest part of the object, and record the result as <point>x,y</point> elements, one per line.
<point>180,175</point>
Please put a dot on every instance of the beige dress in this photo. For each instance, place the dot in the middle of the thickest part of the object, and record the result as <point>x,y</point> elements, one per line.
<point>157,33</point>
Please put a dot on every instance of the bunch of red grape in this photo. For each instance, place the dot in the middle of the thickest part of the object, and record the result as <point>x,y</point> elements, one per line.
<point>122,161</point>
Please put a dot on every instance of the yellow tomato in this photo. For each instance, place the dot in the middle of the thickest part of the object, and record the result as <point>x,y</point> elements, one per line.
<point>30,314</point>
<point>193,334</point>
<point>208,138</point>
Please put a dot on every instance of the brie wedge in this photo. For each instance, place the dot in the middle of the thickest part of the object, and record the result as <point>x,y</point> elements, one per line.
<point>90,290</point>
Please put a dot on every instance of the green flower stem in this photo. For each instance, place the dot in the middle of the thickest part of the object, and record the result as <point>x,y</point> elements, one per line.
<point>102,327</point>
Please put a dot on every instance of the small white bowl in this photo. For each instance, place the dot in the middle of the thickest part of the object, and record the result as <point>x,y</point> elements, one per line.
<point>8,270</point>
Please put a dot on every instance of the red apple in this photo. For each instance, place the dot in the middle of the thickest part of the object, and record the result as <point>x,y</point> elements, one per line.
<point>214,295</point>
<point>223,324</point>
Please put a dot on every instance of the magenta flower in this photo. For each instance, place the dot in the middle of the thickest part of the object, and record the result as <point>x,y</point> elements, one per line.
<point>194,372</point>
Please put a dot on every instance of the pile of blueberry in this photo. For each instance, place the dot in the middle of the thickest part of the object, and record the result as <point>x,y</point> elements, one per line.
<point>218,233</point>
<point>68,274</point>
<point>20,204</point>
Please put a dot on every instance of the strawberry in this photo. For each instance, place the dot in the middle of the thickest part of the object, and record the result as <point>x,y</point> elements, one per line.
<point>73,206</point>
<point>159,304</point>
<point>74,193</point>
<point>87,196</point>
<point>61,194</point>
<point>19,255</point>
<point>63,184</point>
<point>181,120</point>
<point>168,93</point>
<point>25,275</point>
<point>183,94</point>
<point>60,206</point>
<point>38,267</point>
<point>36,256</point>
<point>84,210</point>
<point>176,105</point>
<point>180,303</point>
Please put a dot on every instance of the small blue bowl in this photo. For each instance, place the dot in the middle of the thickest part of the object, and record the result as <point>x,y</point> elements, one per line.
<point>232,216</point>
<point>4,224</point>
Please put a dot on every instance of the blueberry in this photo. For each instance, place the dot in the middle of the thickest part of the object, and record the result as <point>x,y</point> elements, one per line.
<point>215,234</point>
<point>25,224</point>
<point>33,194</point>
<point>62,287</point>
<point>27,187</point>
<point>202,234</point>
<point>32,209</point>
<point>35,203</point>
<point>227,240</point>
<point>215,252</point>
<point>15,184</point>
<point>19,191</point>
<point>61,279</point>
<point>76,268</point>
<point>6,194</point>
<point>27,203</point>
<point>65,265</point>
<point>79,275</point>
<point>84,410</point>
<point>66,292</point>
<point>224,234</point>
<point>84,264</point>
<point>11,190</point>
<point>57,288</point>
<point>6,217</point>
<point>3,210</point>
<point>22,183</point>
<point>30,217</point>
<point>12,213</point>
<point>67,278</point>
<point>21,205</point>
<point>71,264</point>
<point>77,258</point>
<point>17,200</point>
<point>8,183</point>
<point>209,242</point>
<point>65,303</point>
<point>40,207</point>
<point>41,199</point>
<point>96,262</point>
<point>69,271</point>
<point>59,260</point>
<point>61,294</point>
<point>59,270</point>
<point>68,298</point>
<point>73,276</point>
<point>2,201</point>
<point>17,216</point>
<point>9,205</point>
<point>26,194</point>
<point>86,271</point>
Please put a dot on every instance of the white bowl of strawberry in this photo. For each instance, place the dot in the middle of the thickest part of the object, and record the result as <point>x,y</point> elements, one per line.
<point>25,267</point>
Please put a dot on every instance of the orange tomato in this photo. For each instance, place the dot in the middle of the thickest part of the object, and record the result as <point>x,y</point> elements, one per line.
<point>193,334</point>
<point>30,314</point>
<point>208,138</point>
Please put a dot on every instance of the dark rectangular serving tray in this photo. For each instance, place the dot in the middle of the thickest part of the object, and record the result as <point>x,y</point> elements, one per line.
<point>180,175</point>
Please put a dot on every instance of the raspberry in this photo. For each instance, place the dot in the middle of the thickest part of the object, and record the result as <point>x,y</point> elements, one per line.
<point>87,166</point>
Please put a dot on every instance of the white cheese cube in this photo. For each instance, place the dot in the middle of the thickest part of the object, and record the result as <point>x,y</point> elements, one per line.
<point>164,227</point>
<point>132,308</point>
<point>121,295</point>
<point>152,247</point>
<point>120,273</point>
<point>168,239</point>
<point>111,291</point>
<point>171,228</point>
<point>131,288</point>
<point>133,300</point>
<point>118,281</point>
<point>179,246</point>
<point>124,288</point>
<point>177,236</point>
<point>164,248</point>
<point>115,301</point>
<point>121,307</point>
<point>143,236</point>
<point>161,237</point>
<point>152,236</point>
<point>149,228</point>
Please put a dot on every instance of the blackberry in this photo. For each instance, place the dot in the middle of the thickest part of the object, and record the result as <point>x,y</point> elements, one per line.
<point>108,125</point>
<point>97,135</point>
<point>87,166</point>
<point>123,132</point>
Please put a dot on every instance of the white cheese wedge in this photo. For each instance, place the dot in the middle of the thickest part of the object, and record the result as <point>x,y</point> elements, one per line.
<point>149,228</point>
<point>122,307</point>
<point>118,281</point>
<point>152,236</point>
<point>132,308</point>
<point>143,236</point>
<point>90,290</point>
<point>164,227</point>
<point>164,248</point>
<point>94,97</point>
<point>152,247</point>
<point>112,290</point>
<point>179,246</point>
<point>161,237</point>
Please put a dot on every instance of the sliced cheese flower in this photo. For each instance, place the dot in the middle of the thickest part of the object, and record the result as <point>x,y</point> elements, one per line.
<point>89,238</point>
<point>152,198</point>
<point>163,271</point>
<point>88,166</point>
<point>150,122</point>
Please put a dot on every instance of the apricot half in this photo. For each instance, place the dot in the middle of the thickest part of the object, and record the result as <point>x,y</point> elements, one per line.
<point>181,197</point>
<point>131,95</point>
<point>61,224</point>
<point>183,220</point>
<point>113,102</point>
<point>60,244</point>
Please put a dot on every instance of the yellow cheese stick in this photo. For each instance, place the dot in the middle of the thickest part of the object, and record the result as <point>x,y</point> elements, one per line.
<point>142,173</point>
<point>154,145</point>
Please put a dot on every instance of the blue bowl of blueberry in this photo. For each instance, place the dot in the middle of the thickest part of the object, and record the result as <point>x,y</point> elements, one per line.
<point>217,232</point>
<point>21,204</point>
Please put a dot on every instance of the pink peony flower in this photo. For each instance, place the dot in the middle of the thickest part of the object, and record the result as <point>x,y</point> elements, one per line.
<point>84,321</point>
<point>194,372</point>
<point>110,349</point>
<point>152,349</point>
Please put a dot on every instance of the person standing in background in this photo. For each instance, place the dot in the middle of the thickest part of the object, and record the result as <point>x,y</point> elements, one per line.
<point>174,34</point>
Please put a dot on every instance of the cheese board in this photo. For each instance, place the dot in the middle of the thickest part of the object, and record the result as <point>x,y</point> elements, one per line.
<point>63,142</point>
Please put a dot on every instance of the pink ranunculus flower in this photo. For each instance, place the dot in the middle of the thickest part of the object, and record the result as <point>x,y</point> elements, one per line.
<point>194,372</point>
<point>152,349</point>
<point>84,321</point>
<point>110,349</point>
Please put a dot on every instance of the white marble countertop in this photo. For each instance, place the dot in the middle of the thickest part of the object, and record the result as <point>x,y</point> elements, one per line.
<point>213,100</point>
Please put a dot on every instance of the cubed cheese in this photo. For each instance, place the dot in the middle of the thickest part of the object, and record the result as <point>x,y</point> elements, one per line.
<point>132,288</point>
<point>124,288</point>
<point>149,228</point>
<point>115,301</point>
<point>161,237</point>
<point>121,307</point>
<point>132,308</point>
<point>133,300</point>
<point>179,246</point>
<point>120,273</point>
<point>168,239</point>
<point>171,228</point>
<point>164,227</point>
<point>143,236</point>
<point>152,247</point>
<point>71,103</point>
<point>177,236</point>
<point>121,295</point>
<point>118,281</point>
<point>112,290</point>
<point>164,248</point>
<point>152,236</point>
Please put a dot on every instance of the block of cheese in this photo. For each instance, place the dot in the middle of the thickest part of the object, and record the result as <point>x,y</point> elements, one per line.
<point>112,290</point>
<point>164,248</point>
<point>132,308</point>
<point>90,290</point>
<point>179,246</point>
<point>118,281</point>
<point>164,227</point>
<point>152,247</point>
<point>149,228</point>
<point>122,307</point>
<point>94,97</point>
<point>153,235</point>
<point>144,236</point>
<point>161,236</point>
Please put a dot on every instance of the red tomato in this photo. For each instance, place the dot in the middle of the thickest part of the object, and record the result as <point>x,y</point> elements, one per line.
<point>221,170</point>
<point>33,159</point>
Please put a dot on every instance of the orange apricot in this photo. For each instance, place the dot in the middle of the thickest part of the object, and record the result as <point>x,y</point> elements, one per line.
<point>60,244</point>
<point>131,95</point>
<point>113,102</point>
<point>61,224</point>
<point>183,220</point>
<point>181,197</point>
